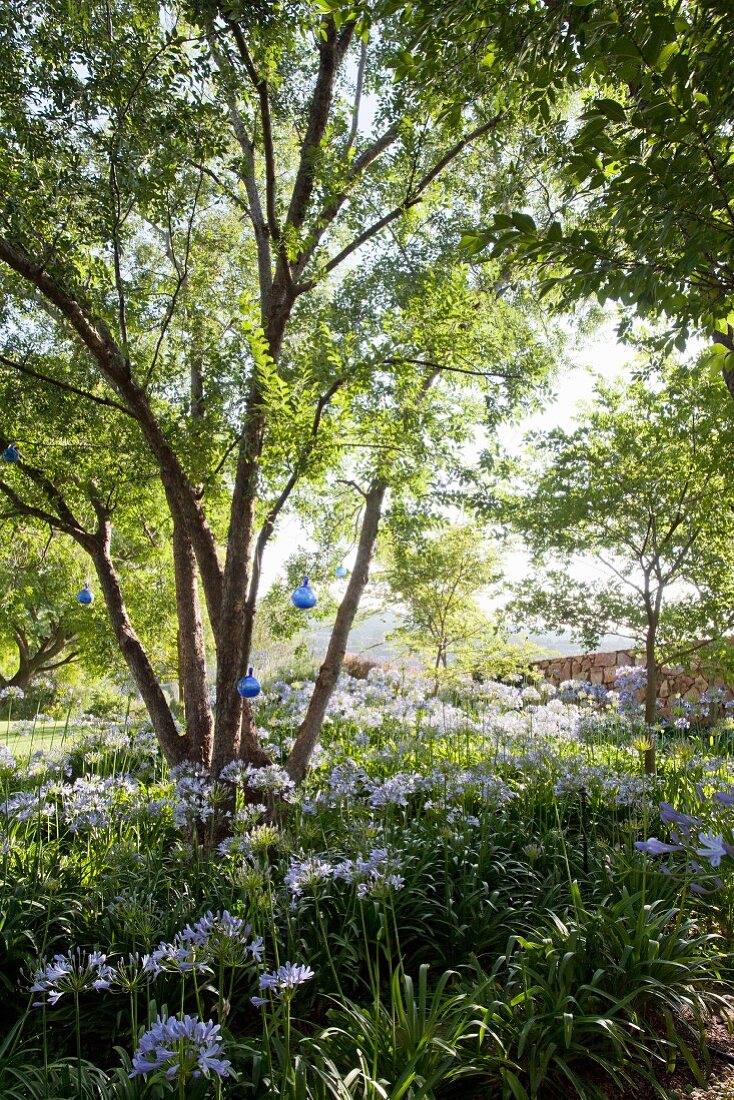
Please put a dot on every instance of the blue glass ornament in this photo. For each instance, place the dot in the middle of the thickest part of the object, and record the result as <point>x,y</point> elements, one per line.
<point>340,571</point>
<point>304,596</point>
<point>85,596</point>
<point>11,453</point>
<point>248,686</point>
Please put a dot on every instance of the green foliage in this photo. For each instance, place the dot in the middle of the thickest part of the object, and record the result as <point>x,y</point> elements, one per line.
<point>642,487</point>
<point>437,575</point>
<point>643,166</point>
<point>525,948</point>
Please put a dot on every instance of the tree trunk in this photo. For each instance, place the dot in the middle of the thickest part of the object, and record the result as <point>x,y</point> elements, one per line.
<point>233,637</point>
<point>651,693</point>
<point>174,746</point>
<point>191,650</point>
<point>310,728</point>
<point>43,660</point>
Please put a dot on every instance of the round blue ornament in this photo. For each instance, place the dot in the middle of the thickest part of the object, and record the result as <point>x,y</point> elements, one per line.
<point>340,571</point>
<point>11,453</point>
<point>304,596</point>
<point>248,686</point>
<point>85,596</point>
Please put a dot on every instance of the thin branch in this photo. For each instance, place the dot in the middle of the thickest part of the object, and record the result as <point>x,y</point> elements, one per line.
<point>182,271</point>
<point>413,197</point>
<point>358,95</point>
<point>23,369</point>
<point>116,254</point>
<point>332,48</point>
<point>329,212</point>
<point>23,509</point>
<point>269,524</point>
<point>260,85</point>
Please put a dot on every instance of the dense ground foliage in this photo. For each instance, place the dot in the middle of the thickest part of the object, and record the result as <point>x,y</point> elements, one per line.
<point>475,895</point>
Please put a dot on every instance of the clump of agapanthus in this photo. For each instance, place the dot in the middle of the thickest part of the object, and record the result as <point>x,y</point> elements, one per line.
<point>236,847</point>
<point>12,692</point>
<point>7,760</point>
<point>375,876</point>
<point>306,873</point>
<point>181,1049</point>
<point>283,982</point>
<point>75,973</point>
<point>395,789</point>
<point>138,913</point>
<point>181,956</point>
<point>27,805</point>
<point>270,780</point>
<point>224,938</point>
<point>192,795</point>
<point>263,837</point>
<point>88,802</point>
<point>130,973</point>
<point>630,680</point>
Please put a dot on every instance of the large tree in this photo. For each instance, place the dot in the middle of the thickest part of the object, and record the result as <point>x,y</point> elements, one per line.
<point>193,206</point>
<point>641,487</point>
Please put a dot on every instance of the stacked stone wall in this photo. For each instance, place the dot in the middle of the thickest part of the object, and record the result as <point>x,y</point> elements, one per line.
<point>601,668</point>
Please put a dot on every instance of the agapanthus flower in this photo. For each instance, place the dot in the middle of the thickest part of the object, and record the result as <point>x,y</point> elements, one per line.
<point>713,848</point>
<point>185,1047</point>
<point>282,983</point>
<point>307,873</point>
<point>75,972</point>
<point>655,847</point>
<point>224,937</point>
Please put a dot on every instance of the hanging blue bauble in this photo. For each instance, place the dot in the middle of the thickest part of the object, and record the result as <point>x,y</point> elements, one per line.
<point>340,571</point>
<point>304,596</point>
<point>85,595</point>
<point>248,686</point>
<point>11,453</point>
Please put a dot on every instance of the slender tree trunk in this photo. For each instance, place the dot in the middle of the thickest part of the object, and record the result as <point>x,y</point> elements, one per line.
<point>726,339</point>
<point>174,746</point>
<point>233,636</point>
<point>651,692</point>
<point>310,728</point>
<point>191,650</point>
<point>250,750</point>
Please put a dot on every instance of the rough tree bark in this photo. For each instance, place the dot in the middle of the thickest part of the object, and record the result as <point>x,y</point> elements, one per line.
<point>174,745</point>
<point>31,663</point>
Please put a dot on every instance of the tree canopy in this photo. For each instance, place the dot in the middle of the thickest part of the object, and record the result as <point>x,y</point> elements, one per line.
<point>226,244</point>
<point>642,488</point>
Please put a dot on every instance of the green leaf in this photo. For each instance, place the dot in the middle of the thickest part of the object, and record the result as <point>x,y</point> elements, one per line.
<point>611,108</point>
<point>524,222</point>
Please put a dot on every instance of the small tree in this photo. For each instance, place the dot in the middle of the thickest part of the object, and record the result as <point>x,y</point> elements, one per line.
<point>640,487</point>
<point>437,576</point>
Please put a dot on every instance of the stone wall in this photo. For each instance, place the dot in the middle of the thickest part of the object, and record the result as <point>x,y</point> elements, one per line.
<point>601,668</point>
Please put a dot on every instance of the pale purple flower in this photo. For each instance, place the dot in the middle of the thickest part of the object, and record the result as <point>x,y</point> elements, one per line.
<point>185,1047</point>
<point>74,972</point>
<point>713,848</point>
<point>655,847</point>
<point>283,981</point>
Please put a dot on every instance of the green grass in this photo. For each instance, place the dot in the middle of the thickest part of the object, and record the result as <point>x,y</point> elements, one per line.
<point>50,735</point>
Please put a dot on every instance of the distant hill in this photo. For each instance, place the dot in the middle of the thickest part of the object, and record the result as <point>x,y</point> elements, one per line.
<point>368,637</point>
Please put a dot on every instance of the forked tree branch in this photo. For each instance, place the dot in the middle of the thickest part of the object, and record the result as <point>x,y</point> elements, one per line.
<point>412,199</point>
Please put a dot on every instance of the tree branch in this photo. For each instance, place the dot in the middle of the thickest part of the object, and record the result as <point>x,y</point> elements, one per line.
<point>24,369</point>
<point>332,48</point>
<point>414,197</point>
